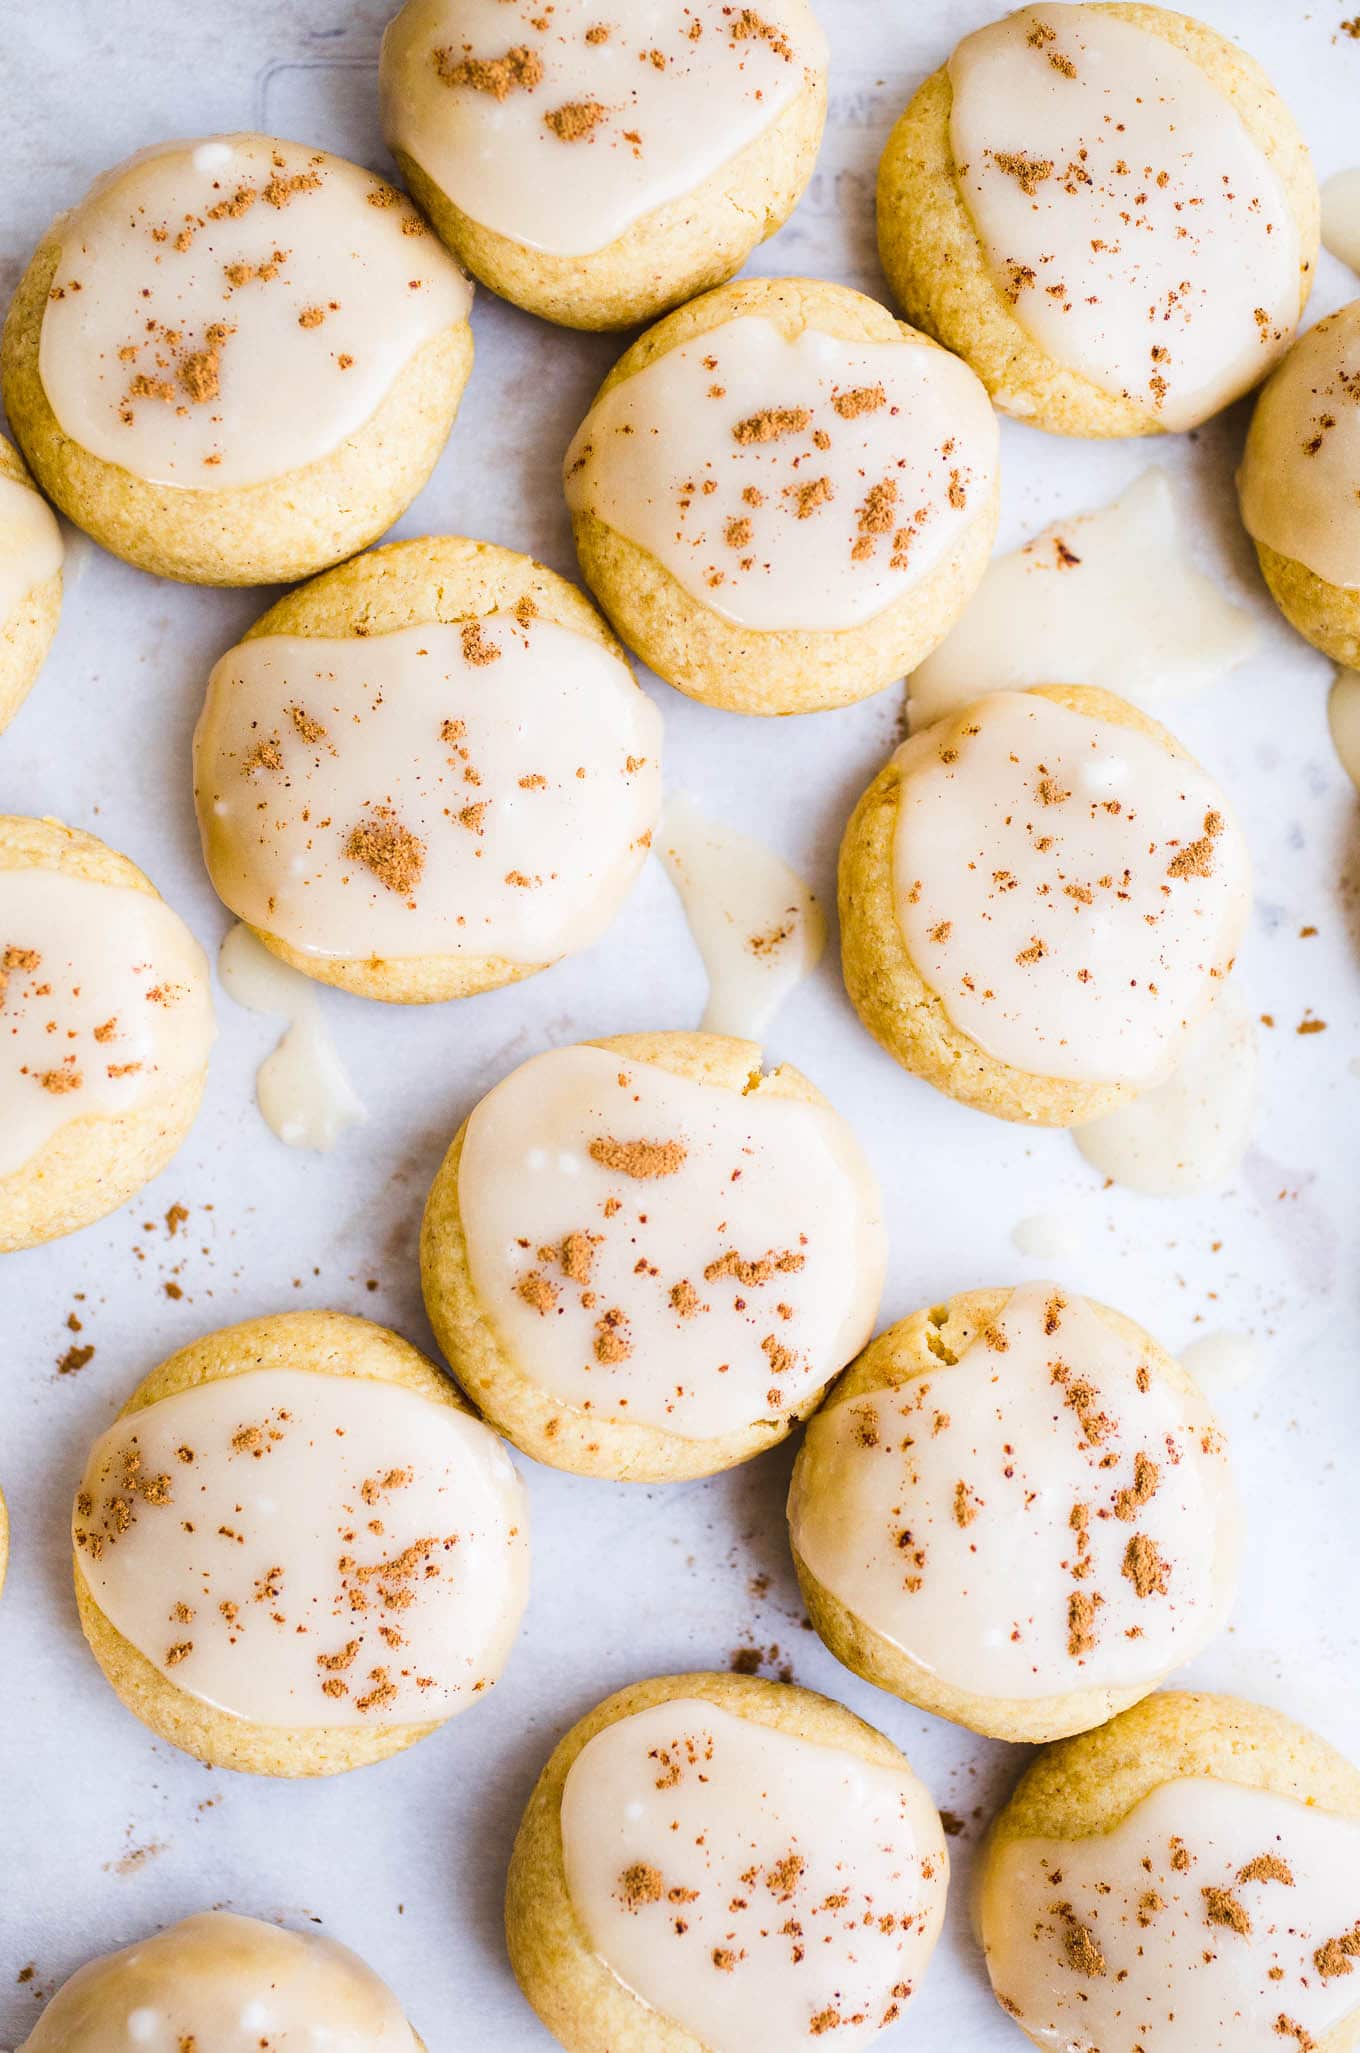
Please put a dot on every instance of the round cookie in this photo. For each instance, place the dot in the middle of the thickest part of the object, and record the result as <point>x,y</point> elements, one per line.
<point>340,1467</point>
<point>596,169</point>
<point>93,1106</point>
<point>645,1259</point>
<point>1185,1879</point>
<point>1017,934</point>
<point>697,1866</point>
<point>1297,486</point>
<point>783,497</point>
<point>469,731</point>
<point>212,1983</point>
<point>1010,187</point>
<point>236,361</point>
<point>1016,1512</point>
<point>30,581</point>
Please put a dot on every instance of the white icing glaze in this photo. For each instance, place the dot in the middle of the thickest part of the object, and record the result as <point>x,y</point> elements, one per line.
<point>1298,476</point>
<point>1193,1927</point>
<point>803,483</point>
<point>104,1004</point>
<point>1341,216</point>
<point>217,1983</point>
<point>1224,1361</point>
<point>1190,1132</point>
<point>302,1088</point>
<point>1031,1520</point>
<point>1071,890</point>
<point>562,140</point>
<point>1135,229</point>
<point>485,788</point>
<point>668,1253</point>
<point>347,1552</point>
<point>1046,1237</point>
<point>1111,598</point>
<point>758,928</point>
<point>30,544</point>
<point>227,312</point>
<point>1343,720</point>
<point>759,1890</point>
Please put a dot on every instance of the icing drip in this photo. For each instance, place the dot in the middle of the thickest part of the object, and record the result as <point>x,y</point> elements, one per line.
<point>1046,1514</point>
<point>229,311</point>
<point>804,483</point>
<point>307,1550</point>
<point>758,928</point>
<point>486,788</point>
<point>1072,891</point>
<point>1133,227</point>
<point>758,1890</point>
<point>303,1089</point>
<point>665,1252</point>
<point>562,128</point>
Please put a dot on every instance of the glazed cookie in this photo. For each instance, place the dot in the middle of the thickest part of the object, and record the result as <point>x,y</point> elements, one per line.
<point>782,497</point>
<point>236,361</point>
<point>646,1259</point>
<point>1297,485</point>
<point>1017,1512</point>
<point>297,1551</point>
<point>1108,211</point>
<point>712,1864</point>
<point>596,168</point>
<point>106,1023</point>
<point>1184,1880</point>
<point>216,1983</point>
<point>427,773</point>
<point>30,581</point>
<point>1040,896</point>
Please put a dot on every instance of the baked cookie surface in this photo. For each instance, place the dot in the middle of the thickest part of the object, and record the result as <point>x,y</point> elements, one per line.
<point>107,1022</point>
<point>713,1864</point>
<point>1040,896</point>
<point>1297,485</point>
<point>379,1564</point>
<point>1185,1880</point>
<point>236,360</point>
<point>214,1983</point>
<point>1108,211</point>
<point>783,497</point>
<point>646,1259</point>
<point>427,773</point>
<point>597,169</point>
<point>1017,1512</point>
<point>30,581</point>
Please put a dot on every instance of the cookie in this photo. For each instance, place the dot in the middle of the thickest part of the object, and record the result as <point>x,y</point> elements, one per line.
<point>30,581</point>
<point>1040,896</point>
<point>1297,486</point>
<point>646,1259</point>
<point>1016,1512</point>
<point>595,168</point>
<point>235,361</point>
<point>782,497</point>
<point>1186,1880</point>
<point>296,1549</point>
<point>107,1021</point>
<point>427,773</point>
<point>1108,211</point>
<point>713,1864</point>
<point>213,1983</point>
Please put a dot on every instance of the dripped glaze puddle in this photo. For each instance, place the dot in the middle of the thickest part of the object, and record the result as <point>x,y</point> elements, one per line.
<point>302,1089</point>
<point>757,926</point>
<point>1190,1132</point>
<point>1223,1361</point>
<point>1341,216</point>
<point>1110,598</point>
<point>1343,718</point>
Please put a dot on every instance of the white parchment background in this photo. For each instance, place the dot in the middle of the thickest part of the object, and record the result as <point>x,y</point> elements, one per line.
<point>104,1832</point>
